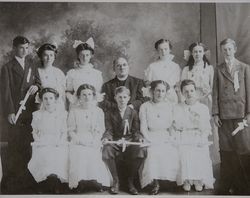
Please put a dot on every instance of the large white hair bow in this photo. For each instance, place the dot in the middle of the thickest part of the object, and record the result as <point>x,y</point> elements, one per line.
<point>90,42</point>
<point>187,54</point>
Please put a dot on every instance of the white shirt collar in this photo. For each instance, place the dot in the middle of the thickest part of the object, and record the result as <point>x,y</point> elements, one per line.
<point>230,63</point>
<point>20,61</point>
<point>122,111</point>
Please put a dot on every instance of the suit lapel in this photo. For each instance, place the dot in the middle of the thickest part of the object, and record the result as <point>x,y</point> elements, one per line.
<point>225,72</point>
<point>17,68</point>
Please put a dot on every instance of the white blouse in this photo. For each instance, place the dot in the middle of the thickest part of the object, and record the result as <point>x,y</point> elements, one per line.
<point>165,70</point>
<point>49,127</point>
<point>54,78</point>
<point>87,125</point>
<point>84,75</point>
<point>155,116</point>
<point>203,77</point>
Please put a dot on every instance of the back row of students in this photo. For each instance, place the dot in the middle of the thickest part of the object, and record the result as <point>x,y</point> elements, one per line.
<point>18,77</point>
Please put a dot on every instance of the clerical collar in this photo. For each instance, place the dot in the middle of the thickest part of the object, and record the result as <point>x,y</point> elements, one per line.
<point>122,79</point>
<point>20,61</point>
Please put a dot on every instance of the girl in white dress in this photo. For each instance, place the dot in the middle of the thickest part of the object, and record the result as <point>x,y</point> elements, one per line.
<point>156,117</point>
<point>164,69</point>
<point>192,122</point>
<point>50,149</point>
<point>51,76</point>
<point>86,127</point>
<point>84,73</point>
<point>201,72</point>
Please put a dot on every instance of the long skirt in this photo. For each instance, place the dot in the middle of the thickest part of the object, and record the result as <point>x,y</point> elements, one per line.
<point>85,163</point>
<point>47,160</point>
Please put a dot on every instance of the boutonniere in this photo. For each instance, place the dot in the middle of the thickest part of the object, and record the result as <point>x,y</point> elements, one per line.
<point>28,76</point>
<point>236,81</point>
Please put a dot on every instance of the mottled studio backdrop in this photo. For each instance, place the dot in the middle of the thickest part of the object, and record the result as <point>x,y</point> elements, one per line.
<point>117,28</point>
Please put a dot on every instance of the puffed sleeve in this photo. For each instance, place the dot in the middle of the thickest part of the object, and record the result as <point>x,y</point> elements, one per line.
<point>205,124</point>
<point>211,76</point>
<point>99,124</point>
<point>64,134</point>
<point>34,124</point>
<point>69,81</point>
<point>143,120</point>
<point>184,73</point>
<point>99,82</point>
<point>148,74</point>
<point>72,125</point>
<point>178,72</point>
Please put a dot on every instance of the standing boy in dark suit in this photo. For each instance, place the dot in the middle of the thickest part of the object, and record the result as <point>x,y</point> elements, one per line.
<point>18,77</point>
<point>231,104</point>
<point>123,122</point>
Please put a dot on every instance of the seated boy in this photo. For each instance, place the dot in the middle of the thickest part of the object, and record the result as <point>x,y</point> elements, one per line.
<point>122,122</point>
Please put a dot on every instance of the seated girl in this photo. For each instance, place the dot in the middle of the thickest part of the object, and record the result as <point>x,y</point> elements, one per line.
<point>156,116</point>
<point>49,160</point>
<point>86,127</point>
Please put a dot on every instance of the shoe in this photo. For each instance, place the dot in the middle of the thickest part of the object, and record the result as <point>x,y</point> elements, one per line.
<point>198,186</point>
<point>186,186</point>
<point>131,188</point>
<point>115,188</point>
<point>156,188</point>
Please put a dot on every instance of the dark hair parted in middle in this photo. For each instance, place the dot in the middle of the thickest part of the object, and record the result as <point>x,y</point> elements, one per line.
<point>187,82</point>
<point>83,87</point>
<point>46,90</point>
<point>157,43</point>
<point>84,46</point>
<point>190,62</point>
<point>44,47</point>
<point>154,84</point>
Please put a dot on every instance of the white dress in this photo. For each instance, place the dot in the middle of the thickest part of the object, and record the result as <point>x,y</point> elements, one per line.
<point>50,150</point>
<point>54,78</point>
<point>203,78</point>
<point>192,122</point>
<point>165,70</point>
<point>87,126</point>
<point>162,161</point>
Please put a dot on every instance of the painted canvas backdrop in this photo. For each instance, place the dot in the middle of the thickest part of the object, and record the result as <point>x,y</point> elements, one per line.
<point>122,28</point>
<point>233,21</point>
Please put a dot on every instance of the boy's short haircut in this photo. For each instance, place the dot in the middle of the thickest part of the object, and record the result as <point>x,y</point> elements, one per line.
<point>20,40</point>
<point>187,82</point>
<point>122,89</point>
<point>228,40</point>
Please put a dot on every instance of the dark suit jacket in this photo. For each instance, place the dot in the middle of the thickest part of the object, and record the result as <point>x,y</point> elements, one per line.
<point>15,84</point>
<point>135,86</point>
<point>227,103</point>
<point>114,124</point>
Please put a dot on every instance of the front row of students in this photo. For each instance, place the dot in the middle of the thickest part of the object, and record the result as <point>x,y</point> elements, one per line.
<point>85,145</point>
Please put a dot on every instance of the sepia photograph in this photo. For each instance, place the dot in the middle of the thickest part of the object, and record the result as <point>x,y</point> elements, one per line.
<point>124,98</point>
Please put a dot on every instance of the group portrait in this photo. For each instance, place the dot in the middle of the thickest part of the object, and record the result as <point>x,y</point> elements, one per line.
<point>119,98</point>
